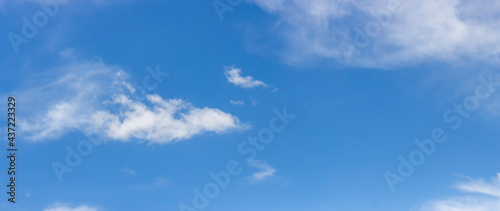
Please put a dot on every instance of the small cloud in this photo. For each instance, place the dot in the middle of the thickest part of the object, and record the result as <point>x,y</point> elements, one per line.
<point>159,182</point>
<point>128,171</point>
<point>234,76</point>
<point>254,101</point>
<point>266,171</point>
<point>237,102</point>
<point>68,53</point>
<point>481,196</point>
<point>65,207</point>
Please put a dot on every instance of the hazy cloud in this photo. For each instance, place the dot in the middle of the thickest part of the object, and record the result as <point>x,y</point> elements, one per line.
<point>265,171</point>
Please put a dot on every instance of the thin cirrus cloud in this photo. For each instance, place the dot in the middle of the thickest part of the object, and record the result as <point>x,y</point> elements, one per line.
<point>65,207</point>
<point>158,183</point>
<point>481,196</point>
<point>234,76</point>
<point>93,97</point>
<point>128,171</point>
<point>413,32</point>
<point>266,171</point>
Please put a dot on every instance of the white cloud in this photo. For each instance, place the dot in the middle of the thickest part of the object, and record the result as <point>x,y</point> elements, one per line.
<point>237,102</point>
<point>266,171</point>
<point>63,207</point>
<point>418,31</point>
<point>481,196</point>
<point>93,97</point>
<point>167,120</point>
<point>234,76</point>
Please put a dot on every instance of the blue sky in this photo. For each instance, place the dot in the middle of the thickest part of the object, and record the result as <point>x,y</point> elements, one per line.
<point>253,105</point>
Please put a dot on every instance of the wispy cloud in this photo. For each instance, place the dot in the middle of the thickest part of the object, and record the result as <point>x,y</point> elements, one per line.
<point>66,207</point>
<point>388,32</point>
<point>128,171</point>
<point>93,97</point>
<point>159,182</point>
<point>254,101</point>
<point>480,195</point>
<point>265,171</point>
<point>234,76</point>
<point>62,99</point>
